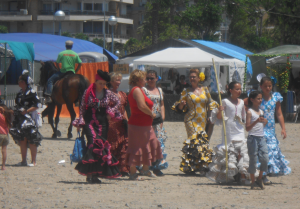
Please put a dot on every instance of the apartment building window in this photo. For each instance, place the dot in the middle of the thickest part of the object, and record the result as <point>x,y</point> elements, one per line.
<point>106,6</point>
<point>87,27</point>
<point>88,6</point>
<point>123,9</point>
<point>13,6</point>
<point>78,5</point>
<point>4,6</point>
<point>98,7</point>
<point>56,6</point>
<point>98,27</point>
<point>47,7</point>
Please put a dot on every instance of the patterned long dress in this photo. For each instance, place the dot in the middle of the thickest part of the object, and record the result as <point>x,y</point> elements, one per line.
<point>196,151</point>
<point>117,135</point>
<point>159,129</point>
<point>277,165</point>
<point>98,160</point>
<point>25,125</point>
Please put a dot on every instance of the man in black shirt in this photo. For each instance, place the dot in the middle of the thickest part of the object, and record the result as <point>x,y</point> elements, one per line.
<point>181,85</point>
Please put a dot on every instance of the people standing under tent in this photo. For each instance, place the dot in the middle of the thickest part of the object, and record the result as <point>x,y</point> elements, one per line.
<point>256,142</point>
<point>196,102</point>
<point>238,159</point>
<point>24,129</point>
<point>68,58</point>
<point>117,132</point>
<point>143,146</point>
<point>181,85</point>
<point>277,165</point>
<point>6,116</point>
<point>98,106</point>
<point>156,96</point>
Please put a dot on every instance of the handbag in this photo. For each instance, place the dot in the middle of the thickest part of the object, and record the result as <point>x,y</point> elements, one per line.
<point>157,120</point>
<point>79,149</point>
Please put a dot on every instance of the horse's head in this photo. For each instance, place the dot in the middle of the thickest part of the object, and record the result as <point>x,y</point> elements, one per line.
<point>47,70</point>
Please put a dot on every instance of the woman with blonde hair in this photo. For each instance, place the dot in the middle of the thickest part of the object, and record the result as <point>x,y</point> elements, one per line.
<point>117,131</point>
<point>143,146</point>
<point>195,101</point>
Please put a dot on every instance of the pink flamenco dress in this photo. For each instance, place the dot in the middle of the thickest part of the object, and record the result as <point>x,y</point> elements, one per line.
<point>98,160</point>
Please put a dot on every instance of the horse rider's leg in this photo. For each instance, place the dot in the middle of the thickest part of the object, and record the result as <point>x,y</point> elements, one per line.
<point>58,111</point>
<point>73,115</point>
<point>49,87</point>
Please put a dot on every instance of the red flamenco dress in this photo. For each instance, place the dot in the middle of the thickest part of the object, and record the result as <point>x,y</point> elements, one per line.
<point>98,160</point>
<point>117,135</point>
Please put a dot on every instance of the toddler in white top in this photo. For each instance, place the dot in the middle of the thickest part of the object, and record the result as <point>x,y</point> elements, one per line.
<point>256,142</point>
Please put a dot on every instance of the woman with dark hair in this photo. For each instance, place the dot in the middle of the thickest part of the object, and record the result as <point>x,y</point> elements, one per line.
<point>24,128</point>
<point>156,96</point>
<point>271,106</point>
<point>196,102</point>
<point>238,159</point>
<point>98,106</point>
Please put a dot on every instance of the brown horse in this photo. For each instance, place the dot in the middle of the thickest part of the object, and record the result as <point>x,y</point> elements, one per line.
<point>68,90</point>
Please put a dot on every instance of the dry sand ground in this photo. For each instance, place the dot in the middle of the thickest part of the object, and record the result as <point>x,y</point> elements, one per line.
<point>52,185</point>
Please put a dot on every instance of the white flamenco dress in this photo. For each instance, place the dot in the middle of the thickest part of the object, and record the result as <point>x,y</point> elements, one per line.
<point>238,159</point>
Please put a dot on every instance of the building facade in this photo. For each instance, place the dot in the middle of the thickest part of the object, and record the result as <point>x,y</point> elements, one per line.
<point>82,16</point>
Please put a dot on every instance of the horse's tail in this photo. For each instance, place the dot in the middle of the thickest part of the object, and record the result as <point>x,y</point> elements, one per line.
<point>83,85</point>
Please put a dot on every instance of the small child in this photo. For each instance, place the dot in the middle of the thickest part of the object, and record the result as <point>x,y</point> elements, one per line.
<point>256,142</point>
<point>5,122</point>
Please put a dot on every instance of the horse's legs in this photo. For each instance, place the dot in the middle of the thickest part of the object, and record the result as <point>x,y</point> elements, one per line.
<point>73,115</point>
<point>51,110</point>
<point>58,110</point>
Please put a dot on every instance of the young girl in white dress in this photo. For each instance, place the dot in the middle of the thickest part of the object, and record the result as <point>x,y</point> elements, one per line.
<point>238,159</point>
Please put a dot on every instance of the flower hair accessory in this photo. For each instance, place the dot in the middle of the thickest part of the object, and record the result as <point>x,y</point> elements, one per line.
<point>274,80</point>
<point>202,77</point>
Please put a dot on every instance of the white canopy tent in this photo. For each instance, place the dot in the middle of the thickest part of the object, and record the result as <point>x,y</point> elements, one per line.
<point>179,58</point>
<point>192,57</point>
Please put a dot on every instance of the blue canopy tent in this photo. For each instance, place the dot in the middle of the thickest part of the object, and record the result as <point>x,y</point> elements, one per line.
<point>47,47</point>
<point>233,51</point>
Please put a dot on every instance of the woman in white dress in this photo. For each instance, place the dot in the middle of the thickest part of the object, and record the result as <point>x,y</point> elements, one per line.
<point>238,159</point>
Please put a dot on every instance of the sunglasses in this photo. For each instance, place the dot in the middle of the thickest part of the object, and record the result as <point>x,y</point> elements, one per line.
<point>150,79</point>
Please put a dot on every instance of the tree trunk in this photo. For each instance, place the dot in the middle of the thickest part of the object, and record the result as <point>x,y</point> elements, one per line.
<point>154,13</point>
<point>261,25</point>
<point>172,13</point>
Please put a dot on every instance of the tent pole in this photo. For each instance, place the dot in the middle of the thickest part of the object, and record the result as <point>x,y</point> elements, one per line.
<point>224,128</point>
<point>5,89</point>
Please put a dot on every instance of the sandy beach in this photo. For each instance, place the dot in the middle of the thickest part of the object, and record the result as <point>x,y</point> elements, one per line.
<point>54,185</point>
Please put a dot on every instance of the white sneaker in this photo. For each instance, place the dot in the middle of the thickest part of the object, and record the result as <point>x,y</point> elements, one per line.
<point>31,165</point>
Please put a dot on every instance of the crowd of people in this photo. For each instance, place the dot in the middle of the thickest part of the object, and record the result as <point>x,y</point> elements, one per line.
<point>118,145</point>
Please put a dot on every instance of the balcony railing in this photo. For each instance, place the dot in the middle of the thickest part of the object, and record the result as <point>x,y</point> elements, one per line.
<point>100,35</point>
<point>15,12</point>
<point>78,12</point>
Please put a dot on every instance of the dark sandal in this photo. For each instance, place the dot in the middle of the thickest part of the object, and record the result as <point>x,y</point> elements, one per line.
<point>135,177</point>
<point>158,172</point>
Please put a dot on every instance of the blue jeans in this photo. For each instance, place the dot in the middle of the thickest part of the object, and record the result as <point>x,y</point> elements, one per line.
<point>51,81</point>
<point>257,148</point>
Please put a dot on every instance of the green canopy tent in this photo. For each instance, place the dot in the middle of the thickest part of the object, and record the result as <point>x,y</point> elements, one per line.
<point>21,50</point>
<point>276,62</point>
<point>260,61</point>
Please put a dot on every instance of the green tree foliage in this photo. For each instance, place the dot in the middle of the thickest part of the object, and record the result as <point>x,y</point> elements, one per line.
<point>98,41</point>
<point>285,17</point>
<point>3,29</point>
<point>133,45</point>
<point>247,28</point>
<point>82,36</point>
<point>204,18</point>
<point>67,34</point>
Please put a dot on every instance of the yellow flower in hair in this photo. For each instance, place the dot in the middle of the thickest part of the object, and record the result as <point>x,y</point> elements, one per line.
<point>201,76</point>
